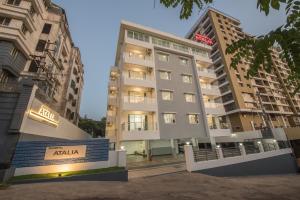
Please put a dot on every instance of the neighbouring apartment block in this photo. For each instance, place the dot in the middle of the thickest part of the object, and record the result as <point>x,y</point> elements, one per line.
<point>162,93</point>
<point>240,96</point>
<point>35,43</point>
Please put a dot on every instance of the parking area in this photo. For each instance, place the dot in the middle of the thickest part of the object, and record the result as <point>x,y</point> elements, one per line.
<point>181,186</point>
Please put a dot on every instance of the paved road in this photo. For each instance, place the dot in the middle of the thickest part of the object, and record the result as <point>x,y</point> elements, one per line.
<point>176,186</point>
<point>155,171</point>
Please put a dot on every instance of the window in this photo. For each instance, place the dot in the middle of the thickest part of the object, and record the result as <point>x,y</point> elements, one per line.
<point>32,11</point>
<point>34,66</point>
<point>138,75</point>
<point>24,29</point>
<point>137,122</point>
<point>160,42</point>
<point>4,21</point>
<point>136,97</point>
<point>163,57</point>
<point>14,2</point>
<point>187,78</point>
<point>138,36</point>
<point>14,53</point>
<point>169,118</point>
<point>183,61</point>
<point>165,75</point>
<point>47,28</point>
<point>189,98</point>
<point>193,118</point>
<point>167,95</point>
<point>40,47</point>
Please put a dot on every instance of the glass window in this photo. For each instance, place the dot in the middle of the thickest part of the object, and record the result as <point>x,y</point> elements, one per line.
<point>40,47</point>
<point>163,57</point>
<point>193,118</point>
<point>138,36</point>
<point>160,42</point>
<point>189,98</point>
<point>136,97</point>
<point>47,28</point>
<point>138,75</point>
<point>167,95</point>
<point>14,2</point>
<point>4,21</point>
<point>187,78</point>
<point>183,61</point>
<point>137,122</point>
<point>165,75</point>
<point>169,118</point>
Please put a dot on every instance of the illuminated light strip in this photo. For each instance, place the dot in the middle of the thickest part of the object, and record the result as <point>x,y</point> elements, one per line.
<point>35,114</point>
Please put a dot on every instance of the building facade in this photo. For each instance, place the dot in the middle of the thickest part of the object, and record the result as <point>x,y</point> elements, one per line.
<point>35,44</point>
<point>244,98</point>
<point>162,93</point>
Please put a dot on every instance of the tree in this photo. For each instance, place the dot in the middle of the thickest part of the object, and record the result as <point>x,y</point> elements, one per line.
<point>93,127</point>
<point>257,50</point>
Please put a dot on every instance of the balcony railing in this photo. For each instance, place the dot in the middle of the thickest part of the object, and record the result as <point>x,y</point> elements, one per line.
<point>138,126</point>
<point>209,87</point>
<point>138,100</point>
<point>213,105</point>
<point>138,59</point>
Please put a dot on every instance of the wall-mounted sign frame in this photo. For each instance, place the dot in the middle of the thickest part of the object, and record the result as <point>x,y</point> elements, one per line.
<point>65,152</point>
<point>44,114</point>
<point>204,39</point>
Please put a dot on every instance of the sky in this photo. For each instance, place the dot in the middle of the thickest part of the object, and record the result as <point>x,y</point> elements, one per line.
<point>94,26</point>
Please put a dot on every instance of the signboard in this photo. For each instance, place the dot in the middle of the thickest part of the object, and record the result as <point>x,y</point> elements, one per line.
<point>65,152</point>
<point>204,39</point>
<point>44,114</point>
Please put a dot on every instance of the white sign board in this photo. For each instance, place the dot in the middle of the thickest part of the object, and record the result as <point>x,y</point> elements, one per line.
<point>65,152</point>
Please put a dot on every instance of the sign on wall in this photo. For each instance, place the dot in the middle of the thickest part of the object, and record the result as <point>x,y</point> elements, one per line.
<point>65,152</point>
<point>42,113</point>
<point>204,39</point>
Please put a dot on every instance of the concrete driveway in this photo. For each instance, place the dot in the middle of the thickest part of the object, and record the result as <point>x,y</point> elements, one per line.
<point>181,186</point>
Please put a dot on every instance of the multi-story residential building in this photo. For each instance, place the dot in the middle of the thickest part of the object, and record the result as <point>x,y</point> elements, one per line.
<point>35,43</point>
<point>244,98</point>
<point>162,93</point>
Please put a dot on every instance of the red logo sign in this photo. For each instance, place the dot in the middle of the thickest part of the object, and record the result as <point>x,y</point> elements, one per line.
<point>204,39</point>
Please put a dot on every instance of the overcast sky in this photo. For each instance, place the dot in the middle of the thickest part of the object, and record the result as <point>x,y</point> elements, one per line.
<point>95,25</point>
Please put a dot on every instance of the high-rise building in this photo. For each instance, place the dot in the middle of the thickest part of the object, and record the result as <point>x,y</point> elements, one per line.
<point>162,93</point>
<point>244,98</point>
<point>35,43</point>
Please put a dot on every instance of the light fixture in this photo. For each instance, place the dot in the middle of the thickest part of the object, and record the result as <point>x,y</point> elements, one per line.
<point>241,144</point>
<point>122,148</point>
<point>187,143</point>
<point>274,140</point>
<point>258,142</point>
<point>233,134</point>
<point>218,146</point>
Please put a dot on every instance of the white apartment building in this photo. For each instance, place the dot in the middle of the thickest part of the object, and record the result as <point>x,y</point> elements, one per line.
<point>162,93</point>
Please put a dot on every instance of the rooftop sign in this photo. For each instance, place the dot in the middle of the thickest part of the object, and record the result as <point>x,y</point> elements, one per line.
<point>204,39</point>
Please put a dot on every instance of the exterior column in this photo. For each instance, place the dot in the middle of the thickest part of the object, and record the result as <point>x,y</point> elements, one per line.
<point>219,152</point>
<point>260,147</point>
<point>189,157</point>
<point>276,145</point>
<point>194,142</point>
<point>147,149</point>
<point>242,149</point>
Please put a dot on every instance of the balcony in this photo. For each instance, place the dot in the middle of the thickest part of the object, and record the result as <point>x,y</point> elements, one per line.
<point>218,129</point>
<point>146,81</point>
<point>207,73</point>
<point>138,60</point>
<point>139,131</point>
<point>210,90</point>
<point>112,100</point>
<point>135,103</point>
<point>214,108</point>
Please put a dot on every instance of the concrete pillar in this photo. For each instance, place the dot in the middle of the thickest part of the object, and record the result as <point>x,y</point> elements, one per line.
<point>147,149</point>
<point>174,145</point>
<point>276,145</point>
<point>121,156</point>
<point>242,149</point>
<point>194,142</point>
<point>189,157</point>
<point>219,152</point>
<point>260,147</point>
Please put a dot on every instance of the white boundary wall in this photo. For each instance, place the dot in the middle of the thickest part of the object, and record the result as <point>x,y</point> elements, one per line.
<point>191,165</point>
